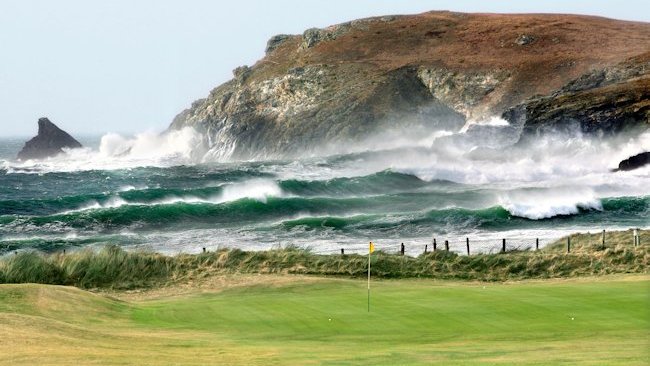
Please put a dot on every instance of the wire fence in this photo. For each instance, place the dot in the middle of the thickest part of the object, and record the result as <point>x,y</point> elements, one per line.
<point>411,246</point>
<point>464,246</point>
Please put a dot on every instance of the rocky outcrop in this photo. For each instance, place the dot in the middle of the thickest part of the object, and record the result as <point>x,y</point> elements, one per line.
<point>525,39</point>
<point>398,75</point>
<point>49,141</point>
<point>603,101</point>
<point>464,92</point>
<point>635,162</point>
<point>275,41</point>
<point>295,113</point>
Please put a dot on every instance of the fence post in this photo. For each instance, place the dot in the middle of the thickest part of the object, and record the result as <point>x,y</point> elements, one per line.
<point>447,245</point>
<point>536,243</point>
<point>568,244</point>
<point>638,238</point>
<point>401,250</point>
<point>342,251</point>
<point>434,244</point>
<point>467,241</point>
<point>503,246</point>
<point>603,239</point>
<point>636,235</point>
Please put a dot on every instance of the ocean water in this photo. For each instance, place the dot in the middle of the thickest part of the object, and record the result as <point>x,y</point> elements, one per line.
<point>151,191</point>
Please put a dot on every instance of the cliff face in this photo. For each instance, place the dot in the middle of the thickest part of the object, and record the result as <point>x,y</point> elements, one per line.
<point>603,101</point>
<point>49,141</point>
<point>416,74</point>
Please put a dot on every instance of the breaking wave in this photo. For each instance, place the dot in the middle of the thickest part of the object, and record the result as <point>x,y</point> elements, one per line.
<point>546,203</point>
<point>118,152</point>
<point>160,188</point>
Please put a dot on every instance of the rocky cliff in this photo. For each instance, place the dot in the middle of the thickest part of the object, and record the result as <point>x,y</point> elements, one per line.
<point>49,141</point>
<point>401,75</point>
<point>604,101</point>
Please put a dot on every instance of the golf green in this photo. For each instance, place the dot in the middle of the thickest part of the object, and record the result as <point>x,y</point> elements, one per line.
<point>325,321</point>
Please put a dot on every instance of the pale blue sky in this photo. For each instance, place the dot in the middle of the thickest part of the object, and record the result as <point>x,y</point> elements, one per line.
<point>127,65</point>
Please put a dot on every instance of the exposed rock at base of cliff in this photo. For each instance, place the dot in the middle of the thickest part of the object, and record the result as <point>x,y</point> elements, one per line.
<point>603,101</point>
<point>296,113</point>
<point>50,141</point>
<point>397,76</point>
<point>634,162</point>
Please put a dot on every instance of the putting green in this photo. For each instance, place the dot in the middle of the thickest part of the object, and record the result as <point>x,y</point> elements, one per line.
<point>584,321</point>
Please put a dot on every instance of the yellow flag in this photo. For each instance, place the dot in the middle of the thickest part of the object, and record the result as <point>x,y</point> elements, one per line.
<point>371,248</point>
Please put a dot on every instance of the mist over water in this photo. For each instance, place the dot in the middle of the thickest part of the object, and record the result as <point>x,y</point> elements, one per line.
<point>167,193</point>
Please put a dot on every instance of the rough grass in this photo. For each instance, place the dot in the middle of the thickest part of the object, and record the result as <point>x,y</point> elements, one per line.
<point>113,267</point>
<point>603,320</point>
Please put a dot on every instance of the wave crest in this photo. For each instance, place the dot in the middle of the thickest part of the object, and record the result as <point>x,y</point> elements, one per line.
<point>258,189</point>
<point>545,204</point>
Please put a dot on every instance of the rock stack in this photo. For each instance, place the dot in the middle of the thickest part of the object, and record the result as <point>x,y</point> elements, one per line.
<point>49,141</point>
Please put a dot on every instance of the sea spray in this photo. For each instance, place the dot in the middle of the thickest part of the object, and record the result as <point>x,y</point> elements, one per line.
<point>118,152</point>
<point>545,203</point>
<point>180,144</point>
<point>259,190</point>
<point>152,191</point>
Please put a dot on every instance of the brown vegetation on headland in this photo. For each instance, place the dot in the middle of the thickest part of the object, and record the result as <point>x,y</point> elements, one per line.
<point>541,52</point>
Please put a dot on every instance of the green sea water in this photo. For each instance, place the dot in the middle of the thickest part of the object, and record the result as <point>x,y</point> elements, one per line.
<point>169,201</point>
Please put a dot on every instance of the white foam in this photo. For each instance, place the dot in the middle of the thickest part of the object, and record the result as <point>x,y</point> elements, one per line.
<point>543,204</point>
<point>112,202</point>
<point>119,152</point>
<point>490,121</point>
<point>257,189</point>
<point>548,161</point>
<point>174,145</point>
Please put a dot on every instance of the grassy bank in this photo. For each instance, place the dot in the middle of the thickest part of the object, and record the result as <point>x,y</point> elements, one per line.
<point>112,267</point>
<point>297,320</point>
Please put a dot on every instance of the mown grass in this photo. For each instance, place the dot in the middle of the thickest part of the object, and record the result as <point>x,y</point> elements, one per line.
<point>113,267</point>
<point>603,320</point>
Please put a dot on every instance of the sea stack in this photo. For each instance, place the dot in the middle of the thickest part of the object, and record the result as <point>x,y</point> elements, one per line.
<point>49,141</point>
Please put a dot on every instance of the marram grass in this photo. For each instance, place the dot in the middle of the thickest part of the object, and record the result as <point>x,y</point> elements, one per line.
<point>113,267</point>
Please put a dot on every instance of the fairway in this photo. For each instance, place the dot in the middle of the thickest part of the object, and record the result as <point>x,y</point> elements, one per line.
<point>602,320</point>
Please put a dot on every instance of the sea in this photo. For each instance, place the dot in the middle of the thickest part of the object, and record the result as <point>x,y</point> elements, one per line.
<point>151,191</point>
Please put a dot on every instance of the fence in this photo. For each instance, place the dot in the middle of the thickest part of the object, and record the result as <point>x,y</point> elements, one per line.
<point>461,246</point>
<point>466,246</point>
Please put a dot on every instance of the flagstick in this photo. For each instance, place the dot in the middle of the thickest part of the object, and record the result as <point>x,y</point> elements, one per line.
<point>368,280</point>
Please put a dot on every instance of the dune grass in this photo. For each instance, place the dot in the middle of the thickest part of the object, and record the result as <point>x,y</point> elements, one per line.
<point>598,320</point>
<point>592,242</point>
<point>113,267</point>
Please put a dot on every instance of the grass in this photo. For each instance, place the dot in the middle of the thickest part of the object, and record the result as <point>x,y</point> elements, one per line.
<point>280,319</point>
<point>112,267</point>
<point>587,242</point>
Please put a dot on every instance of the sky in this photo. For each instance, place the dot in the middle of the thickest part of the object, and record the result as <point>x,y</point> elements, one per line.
<point>128,66</point>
